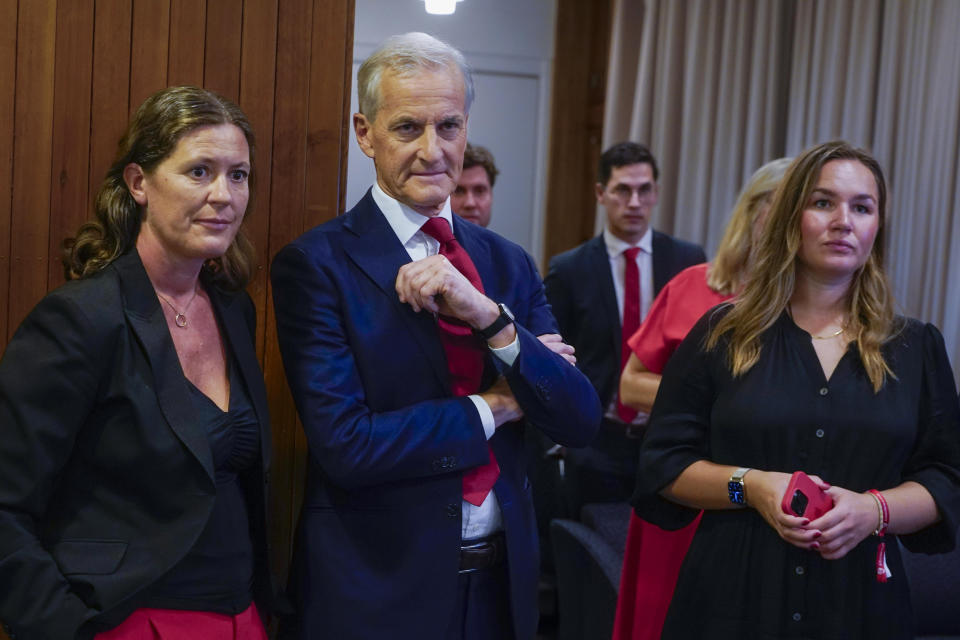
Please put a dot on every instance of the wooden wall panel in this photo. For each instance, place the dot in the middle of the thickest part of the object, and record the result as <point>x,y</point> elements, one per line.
<point>188,19</point>
<point>149,40</point>
<point>579,90</point>
<point>221,64</point>
<point>72,72</point>
<point>8,78</point>
<point>71,128</point>
<point>33,126</point>
<point>110,92</point>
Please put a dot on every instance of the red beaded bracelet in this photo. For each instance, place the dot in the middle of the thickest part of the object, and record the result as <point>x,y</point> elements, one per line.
<point>883,572</point>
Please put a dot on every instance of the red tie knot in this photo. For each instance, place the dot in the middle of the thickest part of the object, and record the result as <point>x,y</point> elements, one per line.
<point>439,229</point>
<point>631,253</point>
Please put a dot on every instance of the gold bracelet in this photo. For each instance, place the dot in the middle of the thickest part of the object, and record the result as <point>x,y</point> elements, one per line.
<point>876,531</point>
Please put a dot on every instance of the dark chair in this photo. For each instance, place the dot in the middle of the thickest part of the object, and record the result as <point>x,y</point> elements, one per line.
<point>611,520</point>
<point>588,578</point>
<point>935,591</point>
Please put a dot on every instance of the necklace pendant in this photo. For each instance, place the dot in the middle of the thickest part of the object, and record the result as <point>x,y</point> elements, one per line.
<point>181,320</point>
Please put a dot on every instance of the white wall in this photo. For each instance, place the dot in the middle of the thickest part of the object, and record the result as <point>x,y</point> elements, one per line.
<point>509,45</point>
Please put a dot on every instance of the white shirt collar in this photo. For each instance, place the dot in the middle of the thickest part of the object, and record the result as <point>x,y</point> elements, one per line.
<point>404,221</point>
<point>616,246</point>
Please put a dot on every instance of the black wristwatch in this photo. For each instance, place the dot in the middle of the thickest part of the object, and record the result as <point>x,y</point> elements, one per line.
<point>502,321</point>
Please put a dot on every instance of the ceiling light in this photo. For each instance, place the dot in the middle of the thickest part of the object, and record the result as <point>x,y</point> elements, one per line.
<point>441,7</point>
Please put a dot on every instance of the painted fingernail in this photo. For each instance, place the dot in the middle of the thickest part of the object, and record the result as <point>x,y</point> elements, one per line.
<point>816,534</point>
<point>806,522</point>
<point>814,545</point>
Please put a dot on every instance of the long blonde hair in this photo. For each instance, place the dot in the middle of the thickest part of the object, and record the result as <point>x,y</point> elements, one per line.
<point>771,282</point>
<point>151,136</point>
<point>728,270</point>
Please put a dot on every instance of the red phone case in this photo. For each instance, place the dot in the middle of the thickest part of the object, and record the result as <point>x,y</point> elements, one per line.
<point>818,502</point>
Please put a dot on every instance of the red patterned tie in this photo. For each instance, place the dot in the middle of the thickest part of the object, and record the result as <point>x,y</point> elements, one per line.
<point>631,319</point>
<point>465,353</point>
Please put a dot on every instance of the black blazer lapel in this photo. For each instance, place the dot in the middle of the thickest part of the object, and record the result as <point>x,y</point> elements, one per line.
<point>598,265</point>
<point>147,322</point>
<point>372,245</point>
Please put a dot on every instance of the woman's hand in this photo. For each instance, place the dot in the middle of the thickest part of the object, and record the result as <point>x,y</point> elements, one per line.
<point>854,516</point>
<point>765,491</point>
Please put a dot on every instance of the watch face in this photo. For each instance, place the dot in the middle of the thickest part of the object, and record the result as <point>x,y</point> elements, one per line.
<point>506,311</point>
<point>735,489</point>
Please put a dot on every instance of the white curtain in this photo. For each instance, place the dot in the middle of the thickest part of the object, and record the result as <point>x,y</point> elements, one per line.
<point>718,87</point>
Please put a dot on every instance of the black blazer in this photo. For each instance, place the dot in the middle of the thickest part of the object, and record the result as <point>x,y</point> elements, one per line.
<point>105,482</point>
<point>580,290</point>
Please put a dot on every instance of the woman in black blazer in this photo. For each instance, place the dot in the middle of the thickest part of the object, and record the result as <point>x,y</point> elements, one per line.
<point>134,439</point>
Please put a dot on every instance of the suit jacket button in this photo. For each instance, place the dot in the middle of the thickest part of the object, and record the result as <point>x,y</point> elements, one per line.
<point>453,510</point>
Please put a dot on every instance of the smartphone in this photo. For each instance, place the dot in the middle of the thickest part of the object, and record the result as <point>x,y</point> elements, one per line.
<point>804,498</point>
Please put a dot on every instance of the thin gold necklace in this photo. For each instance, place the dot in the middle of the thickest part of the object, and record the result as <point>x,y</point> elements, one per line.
<point>832,335</point>
<point>836,333</point>
<point>180,317</point>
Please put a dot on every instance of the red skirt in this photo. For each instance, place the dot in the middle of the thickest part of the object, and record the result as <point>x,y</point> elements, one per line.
<point>651,565</point>
<point>171,624</point>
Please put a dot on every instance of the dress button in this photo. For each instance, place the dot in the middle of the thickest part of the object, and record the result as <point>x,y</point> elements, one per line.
<point>823,391</point>
<point>797,617</point>
<point>819,433</point>
<point>799,571</point>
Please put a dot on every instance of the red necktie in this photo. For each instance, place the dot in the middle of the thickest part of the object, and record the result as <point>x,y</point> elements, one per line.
<point>631,319</point>
<point>465,353</point>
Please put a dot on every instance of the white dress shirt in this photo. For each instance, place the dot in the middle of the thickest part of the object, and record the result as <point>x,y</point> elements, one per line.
<point>478,521</point>
<point>618,267</point>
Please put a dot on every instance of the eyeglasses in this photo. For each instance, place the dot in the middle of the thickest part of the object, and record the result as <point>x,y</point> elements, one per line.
<point>645,192</point>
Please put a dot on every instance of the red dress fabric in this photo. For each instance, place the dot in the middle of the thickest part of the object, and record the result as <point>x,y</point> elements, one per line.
<point>170,624</point>
<point>653,555</point>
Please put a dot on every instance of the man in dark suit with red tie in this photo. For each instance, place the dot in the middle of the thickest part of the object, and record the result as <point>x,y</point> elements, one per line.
<point>600,292</point>
<point>410,342</point>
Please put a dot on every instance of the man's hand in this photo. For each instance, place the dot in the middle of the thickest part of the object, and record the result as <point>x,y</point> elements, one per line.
<point>500,399</point>
<point>435,285</point>
<point>554,342</point>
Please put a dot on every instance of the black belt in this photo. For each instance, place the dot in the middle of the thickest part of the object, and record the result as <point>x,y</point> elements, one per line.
<point>619,429</point>
<point>483,553</point>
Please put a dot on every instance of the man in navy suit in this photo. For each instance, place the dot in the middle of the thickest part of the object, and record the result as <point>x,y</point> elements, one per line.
<point>594,290</point>
<point>412,353</point>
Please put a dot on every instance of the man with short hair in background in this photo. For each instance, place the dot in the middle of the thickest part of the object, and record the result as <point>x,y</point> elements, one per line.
<point>473,198</point>
<point>600,292</point>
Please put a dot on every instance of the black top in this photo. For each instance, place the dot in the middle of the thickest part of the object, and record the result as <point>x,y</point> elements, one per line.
<point>217,574</point>
<point>739,578</point>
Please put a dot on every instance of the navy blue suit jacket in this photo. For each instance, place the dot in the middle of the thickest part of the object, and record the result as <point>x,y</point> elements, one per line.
<point>580,289</point>
<point>377,553</point>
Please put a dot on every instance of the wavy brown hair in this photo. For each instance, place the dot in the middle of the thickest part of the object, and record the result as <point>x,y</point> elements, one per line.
<point>152,135</point>
<point>771,283</point>
<point>730,267</point>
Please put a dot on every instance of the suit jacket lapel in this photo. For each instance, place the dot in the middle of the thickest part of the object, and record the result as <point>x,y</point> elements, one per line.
<point>373,246</point>
<point>240,342</point>
<point>606,295</point>
<point>146,320</point>
<point>662,259</point>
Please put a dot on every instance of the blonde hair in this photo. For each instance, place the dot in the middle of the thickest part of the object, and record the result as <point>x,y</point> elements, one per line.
<point>729,269</point>
<point>771,282</point>
<point>151,136</point>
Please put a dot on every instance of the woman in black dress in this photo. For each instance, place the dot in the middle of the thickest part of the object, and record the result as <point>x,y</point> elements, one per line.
<point>808,370</point>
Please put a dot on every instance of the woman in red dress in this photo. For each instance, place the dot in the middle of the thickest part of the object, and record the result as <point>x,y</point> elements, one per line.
<point>653,556</point>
